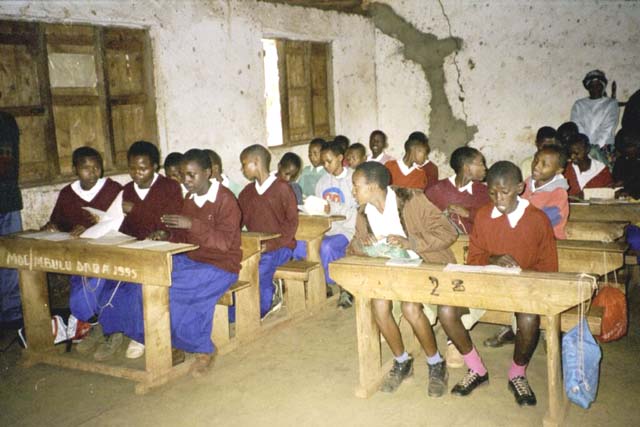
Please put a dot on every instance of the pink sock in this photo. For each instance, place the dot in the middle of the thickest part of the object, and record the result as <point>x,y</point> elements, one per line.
<point>473,362</point>
<point>517,370</point>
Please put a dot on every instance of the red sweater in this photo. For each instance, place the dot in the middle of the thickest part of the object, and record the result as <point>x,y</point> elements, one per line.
<point>530,243</point>
<point>275,211</point>
<point>417,178</point>
<point>215,227</point>
<point>444,193</point>
<point>431,170</point>
<point>602,179</point>
<point>68,212</point>
<point>164,197</point>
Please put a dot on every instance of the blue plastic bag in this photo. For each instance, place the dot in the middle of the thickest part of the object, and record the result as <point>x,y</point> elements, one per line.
<point>581,356</point>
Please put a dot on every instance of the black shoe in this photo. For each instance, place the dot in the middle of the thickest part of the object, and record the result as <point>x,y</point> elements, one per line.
<point>504,336</point>
<point>329,292</point>
<point>396,375</point>
<point>469,382</point>
<point>345,300</point>
<point>521,390</point>
<point>438,379</point>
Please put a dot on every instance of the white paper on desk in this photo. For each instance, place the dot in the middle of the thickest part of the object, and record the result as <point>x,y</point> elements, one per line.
<point>463,268</point>
<point>112,238</point>
<point>109,221</point>
<point>143,244</point>
<point>52,236</point>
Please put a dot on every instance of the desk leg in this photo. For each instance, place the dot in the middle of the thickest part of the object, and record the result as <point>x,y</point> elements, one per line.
<point>36,311</point>
<point>557,399</point>
<point>313,254</point>
<point>369,356</point>
<point>157,336</point>
<point>248,302</point>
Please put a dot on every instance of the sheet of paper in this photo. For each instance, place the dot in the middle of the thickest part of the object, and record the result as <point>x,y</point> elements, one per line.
<point>143,244</point>
<point>52,236</point>
<point>109,220</point>
<point>462,268</point>
<point>112,238</point>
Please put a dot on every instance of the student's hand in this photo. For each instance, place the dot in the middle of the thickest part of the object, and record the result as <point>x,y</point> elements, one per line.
<point>77,231</point>
<point>49,227</point>
<point>503,261</point>
<point>126,206</point>
<point>327,208</point>
<point>399,241</point>
<point>458,210</point>
<point>158,235</point>
<point>176,221</point>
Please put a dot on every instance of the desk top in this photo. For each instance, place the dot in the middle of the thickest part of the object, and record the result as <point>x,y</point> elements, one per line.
<point>312,226</point>
<point>528,292</point>
<point>629,211</point>
<point>581,245</point>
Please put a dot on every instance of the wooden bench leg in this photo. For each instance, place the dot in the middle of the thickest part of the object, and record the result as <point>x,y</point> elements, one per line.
<point>369,355</point>
<point>220,331</point>
<point>157,334</point>
<point>248,300</point>
<point>294,296</point>
<point>558,401</point>
<point>316,288</point>
<point>35,310</point>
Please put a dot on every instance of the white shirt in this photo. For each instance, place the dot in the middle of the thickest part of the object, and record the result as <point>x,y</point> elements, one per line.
<point>142,192</point>
<point>589,174</point>
<point>468,187</point>
<point>225,180</point>
<point>533,184</point>
<point>596,118</point>
<point>208,196</point>
<point>261,188</point>
<point>88,195</point>
<point>515,216</point>
<point>386,223</point>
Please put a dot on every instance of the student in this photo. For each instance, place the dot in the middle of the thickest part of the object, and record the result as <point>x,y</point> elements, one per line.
<point>288,169</point>
<point>268,205</point>
<point>546,135</point>
<point>10,218</point>
<point>461,195</point>
<point>430,169</point>
<point>546,188</point>
<point>509,232</point>
<point>356,155</point>
<point>218,175</point>
<point>566,133</point>
<point>145,200</point>
<point>406,219</point>
<point>584,172</point>
<point>626,170</point>
<point>406,172</point>
<point>172,166</point>
<point>345,143</point>
<point>377,144</point>
<point>335,187</point>
<point>91,189</point>
<point>312,173</point>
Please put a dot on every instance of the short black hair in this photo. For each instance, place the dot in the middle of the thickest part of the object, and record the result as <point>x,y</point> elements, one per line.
<point>144,148</point>
<point>379,132</point>
<point>173,159</point>
<point>375,173</point>
<point>258,151</point>
<point>545,132</point>
<point>214,157</point>
<point>199,156</point>
<point>461,156</point>
<point>627,138</point>
<point>85,152</point>
<point>342,140</point>
<point>583,139</point>
<point>317,141</point>
<point>358,147</point>
<point>290,158</point>
<point>416,138</point>
<point>558,150</point>
<point>566,132</point>
<point>505,170</point>
<point>335,147</point>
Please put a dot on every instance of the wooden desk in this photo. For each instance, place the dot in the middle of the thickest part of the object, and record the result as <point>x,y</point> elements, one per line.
<point>546,294</point>
<point>616,212</point>
<point>603,231</point>
<point>150,267</point>
<point>574,256</point>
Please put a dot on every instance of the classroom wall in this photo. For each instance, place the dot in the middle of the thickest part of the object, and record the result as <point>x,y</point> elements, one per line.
<point>209,73</point>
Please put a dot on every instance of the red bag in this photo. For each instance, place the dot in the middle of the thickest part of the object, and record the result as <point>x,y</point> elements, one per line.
<point>614,319</point>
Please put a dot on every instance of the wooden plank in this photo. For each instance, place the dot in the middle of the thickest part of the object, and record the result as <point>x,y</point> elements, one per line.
<point>614,212</point>
<point>68,362</point>
<point>104,107</point>
<point>294,296</point>
<point>369,356</point>
<point>605,231</point>
<point>50,143</point>
<point>558,403</point>
<point>569,319</point>
<point>35,310</point>
<point>157,330</point>
<point>24,111</point>
<point>248,301</point>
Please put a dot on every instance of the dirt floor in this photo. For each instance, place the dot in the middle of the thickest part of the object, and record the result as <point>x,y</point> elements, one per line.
<point>305,374</point>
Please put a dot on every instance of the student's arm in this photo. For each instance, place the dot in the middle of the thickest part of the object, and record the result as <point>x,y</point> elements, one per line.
<point>361,237</point>
<point>289,221</point>
<point>604,133</point>
<point>436,233</point>
<point>547,259</point>
<point>221,235</point>
<point>478,253</point>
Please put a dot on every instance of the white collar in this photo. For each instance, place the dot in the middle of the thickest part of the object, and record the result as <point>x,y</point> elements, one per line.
<point>262,188</point>
<point>533,185</point>
<point>586,176</point>
<point>138,189</point>
<point>88,195</point>
<point>404,169</point>
<point>345,171</point>
<point>209,196</point>
<point>468,187</point>
<point>376,159</point>
<point>515,216</point>
<point>424,164</point>
<point>390,202</point>
<point>318,168</point>
<point>225,180</point>
<point>387,222</point>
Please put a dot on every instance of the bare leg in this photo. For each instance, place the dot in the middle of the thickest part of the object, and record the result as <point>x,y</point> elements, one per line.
<point>450,318</point>
<point>526,337</point>
<point>387,325</point>
<point>421,327</point>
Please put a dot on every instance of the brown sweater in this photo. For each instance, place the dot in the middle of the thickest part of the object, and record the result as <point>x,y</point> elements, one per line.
<point>429,232</point>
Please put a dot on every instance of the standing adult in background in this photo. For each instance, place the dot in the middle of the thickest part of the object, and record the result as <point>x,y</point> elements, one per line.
<point>597,114</point>
<point>10,219</point>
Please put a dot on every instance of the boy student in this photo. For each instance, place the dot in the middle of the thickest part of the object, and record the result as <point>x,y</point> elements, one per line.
<point>172,166</point>
<point>218,175</point>
<point>144,200</point>
<point>356,155</point>
<point>583,171</point>
<point>288,169</point>
<point>406,220</point>
<point>89,190</point>
<point>312,173</point>
<point>268,205</point>
<point>406,172</point>
<point>377,144</point>
<point>461,195</point>
<point>509,232</point>
<point>546,135</point>
<point>335,187</point>
<point>626,170</point>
